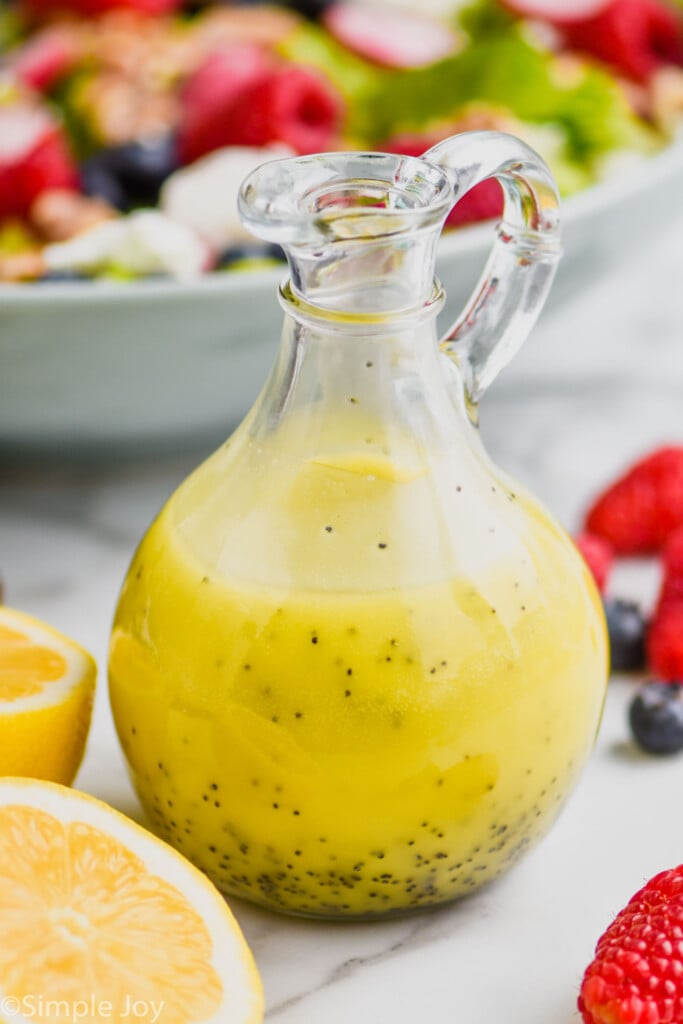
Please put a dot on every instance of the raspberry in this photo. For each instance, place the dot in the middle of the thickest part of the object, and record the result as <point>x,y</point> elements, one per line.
<point>392,38</point>
<point>289,104</point>
<point>598,556</point>
<point>93,8</point>
<point>636,976</point>
<point>665,641</point>
<point>672,570</point>
<point>636,36</point>
<point>672,556</point>
<point>642,508</point>
<point>33,158</point>
<point>210,95</point>
<point>239,97</point>
<point>483,202</point>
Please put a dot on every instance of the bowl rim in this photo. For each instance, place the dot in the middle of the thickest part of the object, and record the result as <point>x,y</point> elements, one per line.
<point>462,242</point>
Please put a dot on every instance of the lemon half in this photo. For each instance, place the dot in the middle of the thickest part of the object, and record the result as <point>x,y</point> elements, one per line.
<point>47,684</point>
<point>103,921</point>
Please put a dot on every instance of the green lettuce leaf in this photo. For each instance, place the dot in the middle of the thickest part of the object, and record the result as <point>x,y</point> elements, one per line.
<point>500,68</point>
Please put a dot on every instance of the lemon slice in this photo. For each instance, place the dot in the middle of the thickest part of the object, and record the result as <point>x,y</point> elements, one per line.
<point>99,920</point>
<point>46,693</point>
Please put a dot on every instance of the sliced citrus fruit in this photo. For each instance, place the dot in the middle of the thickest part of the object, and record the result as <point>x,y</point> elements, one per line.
<point>104,921</point>
<point>46,692</point>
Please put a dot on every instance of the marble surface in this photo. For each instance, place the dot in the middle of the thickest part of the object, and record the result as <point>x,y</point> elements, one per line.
<point>514,953</point>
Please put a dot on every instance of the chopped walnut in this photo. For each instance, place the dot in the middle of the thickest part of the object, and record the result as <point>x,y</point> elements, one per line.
<point>125,111</point>
<point>263,26</point>
<point>482,118</point>
<point>59,215</point>
<point>21,266</point>
<point>145,51</point>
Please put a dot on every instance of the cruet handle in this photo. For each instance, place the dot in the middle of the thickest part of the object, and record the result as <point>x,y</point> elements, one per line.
<point>517,277</point>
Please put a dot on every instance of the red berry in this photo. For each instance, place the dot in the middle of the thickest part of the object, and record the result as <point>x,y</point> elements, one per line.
<point>43,60</point>
<point>33,158</point>
<point>598,556</point>
<point>665,640</point>
<point>559,12</point>
<point>394,39</point>
<point>672,569</point>
<point>636,976</point>
<point>210,96</point>
<point>672,556</point>
<point>293,105</point>
<point>635,36</point>
<point>239,97</point>
<point>93,8</point>
<point>639,512</point>
<point>484,202</point>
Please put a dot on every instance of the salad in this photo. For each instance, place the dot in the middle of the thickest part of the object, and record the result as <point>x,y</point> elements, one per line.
<point>126,126</point>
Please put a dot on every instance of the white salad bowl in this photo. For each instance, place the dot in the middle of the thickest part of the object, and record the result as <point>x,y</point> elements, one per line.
<point>120,369</point>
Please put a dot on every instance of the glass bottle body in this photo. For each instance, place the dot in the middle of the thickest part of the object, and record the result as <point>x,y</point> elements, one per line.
<point>354,669</point>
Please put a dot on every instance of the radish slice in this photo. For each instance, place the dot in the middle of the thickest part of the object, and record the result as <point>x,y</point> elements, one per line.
<point>559,12</point>
<point>392,38</point>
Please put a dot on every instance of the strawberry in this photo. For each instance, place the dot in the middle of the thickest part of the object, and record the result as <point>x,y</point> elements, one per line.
<point>483,202</point>
<point>598,556</point>
<point>47,57</point>
<point>34,157</point>
<point>636,976</point>
<point>210,95</point>
<point>641,510</point>
<point>238,98</point>
<point>92,8</point>
<point>392,38</point>
<point>559,12</point>
<point>635,36</point>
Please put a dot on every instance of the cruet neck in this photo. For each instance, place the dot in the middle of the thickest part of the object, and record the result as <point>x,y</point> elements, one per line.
<point>360,233</point>
<point>359,229</point>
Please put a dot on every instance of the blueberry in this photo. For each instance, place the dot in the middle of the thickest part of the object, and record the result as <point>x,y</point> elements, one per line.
<point>130,175</point>
<point>248,251</point>
<point>142,167</point>
<point>626,626</point>
<point>61,277</point>
<point>98,180</point>
<point>312,9</point>
<point>656,718</point>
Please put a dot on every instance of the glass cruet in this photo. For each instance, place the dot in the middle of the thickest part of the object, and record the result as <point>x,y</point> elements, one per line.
<point>354,668</point>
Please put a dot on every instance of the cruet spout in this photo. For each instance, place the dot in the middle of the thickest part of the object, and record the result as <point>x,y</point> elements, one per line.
<point>360,231</point>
